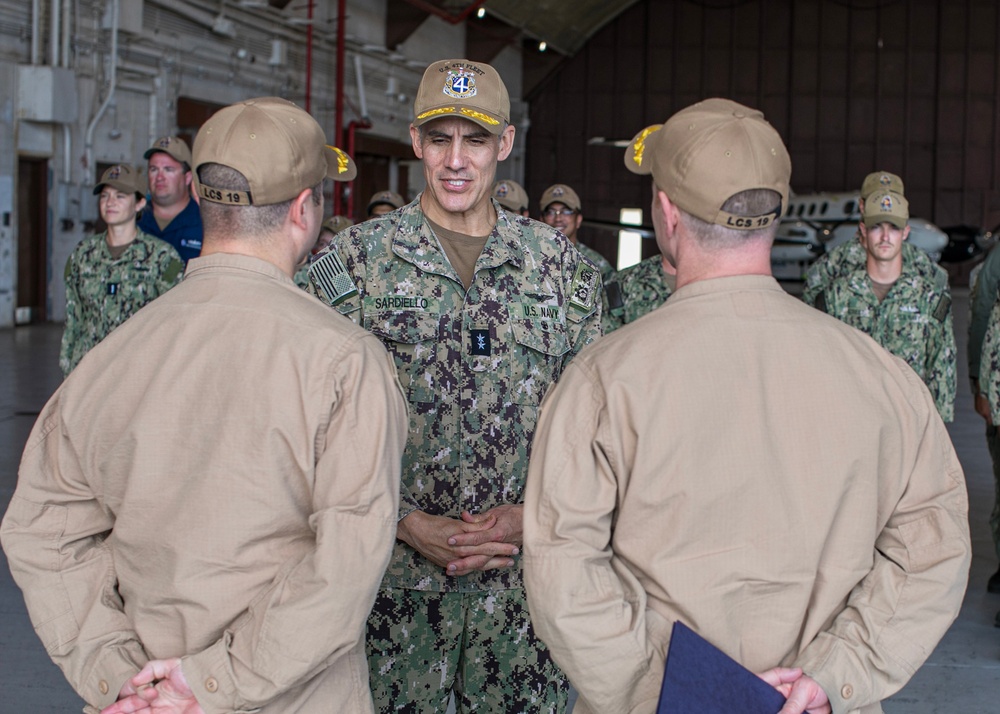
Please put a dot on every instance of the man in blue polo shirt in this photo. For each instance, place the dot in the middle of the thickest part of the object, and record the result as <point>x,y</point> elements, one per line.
<point>171,214</point>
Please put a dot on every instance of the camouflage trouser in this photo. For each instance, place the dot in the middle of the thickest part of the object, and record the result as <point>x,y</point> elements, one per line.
<point>421,646</point>
<point>993,444</point>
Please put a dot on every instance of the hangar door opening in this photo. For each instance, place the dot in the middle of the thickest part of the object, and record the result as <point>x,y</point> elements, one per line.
<point>32,240</point>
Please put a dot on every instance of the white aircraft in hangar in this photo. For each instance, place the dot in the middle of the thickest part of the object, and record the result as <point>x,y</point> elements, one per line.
<point>816,223</point>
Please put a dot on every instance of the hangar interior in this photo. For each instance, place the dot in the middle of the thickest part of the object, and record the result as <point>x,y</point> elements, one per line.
<point>909,86</point>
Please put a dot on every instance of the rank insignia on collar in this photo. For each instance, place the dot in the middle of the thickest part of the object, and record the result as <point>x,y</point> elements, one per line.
<point>479,341</point>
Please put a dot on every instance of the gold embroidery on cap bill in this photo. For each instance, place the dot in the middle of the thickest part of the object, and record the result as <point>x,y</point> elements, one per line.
<point>479,115</point>
<point>435,112</point>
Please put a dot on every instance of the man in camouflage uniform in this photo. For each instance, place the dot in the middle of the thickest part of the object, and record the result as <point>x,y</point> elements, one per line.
<point>512,196</point>
<point>481,311</point>
<point>905,312</point>
<point>631,293</point>
<point>561,209</point>
<point>850,256</point>
<point>111,275</point>
<point>984,359</point>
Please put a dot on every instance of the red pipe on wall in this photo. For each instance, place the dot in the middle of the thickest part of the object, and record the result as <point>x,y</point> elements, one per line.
<point>338,129</point>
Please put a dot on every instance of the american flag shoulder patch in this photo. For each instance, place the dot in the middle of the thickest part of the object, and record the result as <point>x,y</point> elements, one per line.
<point>330,278</point>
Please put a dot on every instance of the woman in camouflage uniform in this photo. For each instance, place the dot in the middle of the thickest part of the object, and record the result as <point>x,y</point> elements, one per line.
<point>110,275</point>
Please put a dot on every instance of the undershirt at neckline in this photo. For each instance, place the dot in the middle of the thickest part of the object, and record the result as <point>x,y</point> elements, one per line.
<point>461,250</point>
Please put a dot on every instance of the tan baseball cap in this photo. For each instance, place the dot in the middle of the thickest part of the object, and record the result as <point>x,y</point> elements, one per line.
<point>886,207</point>
<point>881,181</point>
<point>560,193</point>
<point>124,178</point>
<point>710,151</point>
<point>277,146</point>
<point>511,195</point>
<point>335,224</point>
<point>172,146</point>
<point>388,198</point>
<point>465,89</point>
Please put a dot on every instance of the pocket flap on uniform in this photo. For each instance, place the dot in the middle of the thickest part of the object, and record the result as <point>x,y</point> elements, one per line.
<point>548,337</point>
<point>406,326</point>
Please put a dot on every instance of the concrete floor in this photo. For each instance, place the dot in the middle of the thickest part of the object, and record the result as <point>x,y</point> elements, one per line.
<point>963,674</point>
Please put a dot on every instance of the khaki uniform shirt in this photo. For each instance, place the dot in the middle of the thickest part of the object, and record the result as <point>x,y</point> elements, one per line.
<point>103,291</point>
<point>757,470</point>
<point>218,481</point>
<point>474,363</point>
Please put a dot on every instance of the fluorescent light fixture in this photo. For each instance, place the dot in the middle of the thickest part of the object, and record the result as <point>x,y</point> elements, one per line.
<point>630,216</point>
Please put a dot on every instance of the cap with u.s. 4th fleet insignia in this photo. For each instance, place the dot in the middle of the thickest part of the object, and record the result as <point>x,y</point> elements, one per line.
<point>278,147</point>
<point>465,89</point>
<point>707,153</point>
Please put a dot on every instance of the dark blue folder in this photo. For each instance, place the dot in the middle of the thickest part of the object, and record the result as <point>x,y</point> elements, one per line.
<point>701,678</point>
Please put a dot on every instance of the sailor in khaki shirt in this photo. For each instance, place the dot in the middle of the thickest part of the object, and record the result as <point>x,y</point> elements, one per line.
<point>770,477</point>
<point>209,501</point>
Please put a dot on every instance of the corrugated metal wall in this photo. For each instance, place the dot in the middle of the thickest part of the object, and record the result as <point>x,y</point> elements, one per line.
<point>853,86</point>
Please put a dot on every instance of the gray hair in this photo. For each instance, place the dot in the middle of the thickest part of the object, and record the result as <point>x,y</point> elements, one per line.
<point>754,202</point>
<point>250,221</point>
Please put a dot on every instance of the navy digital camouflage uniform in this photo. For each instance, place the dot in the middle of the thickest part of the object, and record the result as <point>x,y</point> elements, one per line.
<point>475,365</point>
<point>851,255</point>
<point>984,364</point>
<point>301,277</point>
<point>102,291</point>
<point>631,293</point>
<point>597,259</point>
<point>913,322</point>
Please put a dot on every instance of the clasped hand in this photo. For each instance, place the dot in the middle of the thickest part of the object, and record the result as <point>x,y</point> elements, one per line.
<point>159,688</point>
<point>482,541</point>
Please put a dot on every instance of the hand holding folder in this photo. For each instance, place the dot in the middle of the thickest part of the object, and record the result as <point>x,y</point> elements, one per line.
<point>701,678</point>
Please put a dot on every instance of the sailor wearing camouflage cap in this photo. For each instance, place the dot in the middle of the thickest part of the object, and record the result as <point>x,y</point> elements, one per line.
<point>481,311</point>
